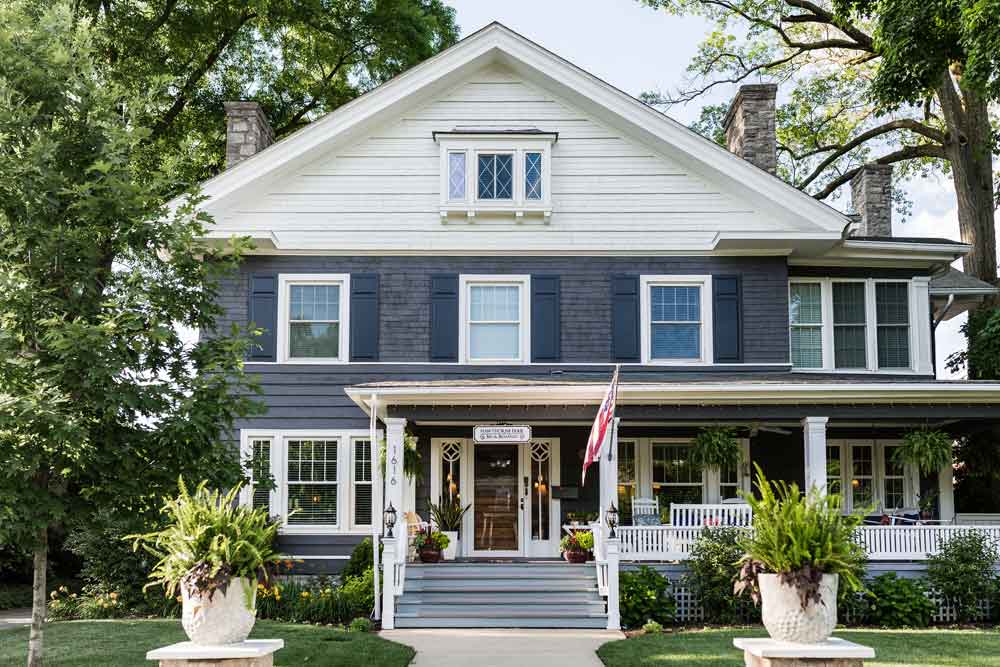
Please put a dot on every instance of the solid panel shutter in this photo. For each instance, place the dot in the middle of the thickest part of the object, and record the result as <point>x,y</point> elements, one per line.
<point>625,318</point>
<point>263,314</point>
<point>444,317</point>
<point>364,317</point>
<point>727,319</point>
<point>545,318</point>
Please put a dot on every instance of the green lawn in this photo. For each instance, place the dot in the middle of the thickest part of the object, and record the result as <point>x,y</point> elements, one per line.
<point>121,643</point>
<point>893,648</point>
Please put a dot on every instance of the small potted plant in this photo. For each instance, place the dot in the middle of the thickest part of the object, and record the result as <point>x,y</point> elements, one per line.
<point>578,546</point>
<point>429,544</point>
<point>800,548</point>
<point>215,551</point>
<point>447,517</point>
<point>927,503</point>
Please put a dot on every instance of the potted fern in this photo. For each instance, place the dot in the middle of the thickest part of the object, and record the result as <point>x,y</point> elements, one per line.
<point>800,549</point>
<point>716,447</point>
<point>429,544</point>
<point>447,516</point>
<point>411,456</point>
<point>926,449</point>
<point>214,551</point>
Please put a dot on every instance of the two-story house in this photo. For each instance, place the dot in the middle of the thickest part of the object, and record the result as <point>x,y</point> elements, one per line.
<point>481,240</point>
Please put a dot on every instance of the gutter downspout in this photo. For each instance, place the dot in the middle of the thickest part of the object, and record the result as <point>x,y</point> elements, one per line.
<point>378,490</point>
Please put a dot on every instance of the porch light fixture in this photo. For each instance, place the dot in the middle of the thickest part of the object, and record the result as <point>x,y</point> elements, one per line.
<point>612,518</point>
<point>389,516</point>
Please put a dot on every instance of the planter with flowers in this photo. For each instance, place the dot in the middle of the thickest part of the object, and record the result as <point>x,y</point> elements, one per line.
<point>215,551</point>
<point>447,517</point>
<point>578,546</point>
<point>799,551</point>
<point>429,544</point>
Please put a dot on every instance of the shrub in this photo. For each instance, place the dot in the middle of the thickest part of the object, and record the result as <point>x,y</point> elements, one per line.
<point>899,603</point>
<point>643,597</point>
<point>799,537</point>
<point>963,572</point>
<point>712,570</point>
<point>652,628</point>
<point>361,560</point>
<point>360,624</point>
<point>317,600</point>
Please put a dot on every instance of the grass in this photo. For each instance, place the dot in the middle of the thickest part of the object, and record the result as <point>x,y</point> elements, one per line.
<point>893,648</point>
<point>124,643</point>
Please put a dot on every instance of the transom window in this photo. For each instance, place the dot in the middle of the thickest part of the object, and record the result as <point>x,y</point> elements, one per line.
<point>312,482</point>
<point>676,314</point>
<point>495,318</point>
<point>675,478</point>
<point>496,176</point>
<point>313,318</point>
<point>861,325</point>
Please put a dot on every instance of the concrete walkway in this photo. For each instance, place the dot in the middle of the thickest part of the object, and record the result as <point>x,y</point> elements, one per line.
<point>503,648</point>
<point>12,618</point>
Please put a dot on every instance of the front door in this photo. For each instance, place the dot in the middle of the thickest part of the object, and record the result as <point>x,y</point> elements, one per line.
<point>497,505</point>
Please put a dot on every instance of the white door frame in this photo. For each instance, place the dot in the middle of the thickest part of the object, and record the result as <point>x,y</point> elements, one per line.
<point>519,513</point>
<point>541,548</point>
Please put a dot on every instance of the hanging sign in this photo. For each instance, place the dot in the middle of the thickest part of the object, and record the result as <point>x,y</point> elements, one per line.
<point>501,433</point>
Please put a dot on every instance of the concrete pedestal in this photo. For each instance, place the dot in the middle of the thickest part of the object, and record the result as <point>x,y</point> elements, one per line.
<point>834,652</point>
<point>250,653</point>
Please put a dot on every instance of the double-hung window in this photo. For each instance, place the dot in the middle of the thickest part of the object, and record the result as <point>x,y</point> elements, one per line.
<point>312,478</point>
<point>893,483</point>
<point>676,314</point>
<point>259,467</point>
<point>849,330</point>
<point>313,311</point>
<point>805,317</point>
<point>495,325</point>
<point>892,307</point>
<point>626,479</point>
<point>867,476</point>
<point>676,479</point>
<point>362,482</point>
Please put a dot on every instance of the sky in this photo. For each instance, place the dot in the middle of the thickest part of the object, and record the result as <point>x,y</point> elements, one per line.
<point>636,49</point>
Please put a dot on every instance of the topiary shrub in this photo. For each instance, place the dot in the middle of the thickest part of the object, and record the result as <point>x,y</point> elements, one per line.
<point>644,596</point>
<point>361,560</point>
<point>963,572</point>
<point>899,603</point>
<point>712,570</point>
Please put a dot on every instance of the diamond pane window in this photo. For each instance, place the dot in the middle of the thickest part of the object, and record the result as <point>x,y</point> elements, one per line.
<point>892,308</point>
<point>456,176</point>
<point>849,325</point>
<point>494,322</point>
<point>675,318</point>
<point>533,175</point>
<point>805,315</point>
<point>496,176</point>
<point>312,482</point>
<point>314,322</point>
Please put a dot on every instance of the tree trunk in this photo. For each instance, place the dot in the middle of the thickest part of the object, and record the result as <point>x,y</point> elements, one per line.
<point>38,599</point>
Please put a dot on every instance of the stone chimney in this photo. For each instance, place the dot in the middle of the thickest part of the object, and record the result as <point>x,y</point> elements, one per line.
<point>749,125</point>
<point>871,193</point>
<point>247,131</point>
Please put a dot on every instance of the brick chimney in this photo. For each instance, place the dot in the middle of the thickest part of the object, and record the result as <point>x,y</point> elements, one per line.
<point>749,125</point>
<point>871,194</point>
<point>247,131</point>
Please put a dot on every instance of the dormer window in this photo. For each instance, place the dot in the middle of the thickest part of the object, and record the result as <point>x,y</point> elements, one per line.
<point>495,173</point>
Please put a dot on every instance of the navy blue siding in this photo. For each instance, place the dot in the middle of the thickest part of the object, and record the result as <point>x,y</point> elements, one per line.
<point>545,321</point>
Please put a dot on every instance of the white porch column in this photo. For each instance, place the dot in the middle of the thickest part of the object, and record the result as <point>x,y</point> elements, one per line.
<point>946,491</point>
<point>614,608</point>
<point>395,480</point>
<point>378,488</point>
<point>814,441</point>
<point>608,472</point>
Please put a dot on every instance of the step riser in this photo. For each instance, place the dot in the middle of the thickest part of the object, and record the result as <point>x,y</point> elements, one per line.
<point>564,598</point>
<point>586,623</point>
<point>537,610</point>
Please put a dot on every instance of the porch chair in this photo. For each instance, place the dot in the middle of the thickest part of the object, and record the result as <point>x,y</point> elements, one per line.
<point>646,512</point>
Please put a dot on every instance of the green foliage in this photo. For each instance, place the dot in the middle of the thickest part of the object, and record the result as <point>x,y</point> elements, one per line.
<point>963,571</point>
<point>652,627</point>
<point>716,446</point>
<point>209,537</point>
<point>644,596</point>
<point>977,477</point>
<point>411,457</point>
<point>899,603</point>
<point>91,603</point>
<point>712,569</point>
<point>317,600</point>
<point>13,596</point>
<point>431,539</point>
<point>927,449</point>
<point>360,561</point>
<point>360,624</point>
<point>448,515</point>
<point>981,357</point>
<point>801,537</point>
<point>578,540</point>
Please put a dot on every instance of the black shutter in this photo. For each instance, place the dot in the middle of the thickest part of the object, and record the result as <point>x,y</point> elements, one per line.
<point>727,320</point>
<point>364,317</point>
<point>625,318</point>
<point>545,318</point>
<point>444,317</point>
<point>263,314</point>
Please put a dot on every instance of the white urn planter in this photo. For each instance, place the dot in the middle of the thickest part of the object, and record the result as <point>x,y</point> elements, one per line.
<point>223,618</point>
<point>784,617</point>
<point>452,550</point>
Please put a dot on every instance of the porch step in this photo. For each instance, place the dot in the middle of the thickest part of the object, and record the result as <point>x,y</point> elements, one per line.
<point>501,595</point>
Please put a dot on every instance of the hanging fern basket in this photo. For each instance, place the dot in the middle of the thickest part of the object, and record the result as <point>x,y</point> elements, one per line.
<point>411,457</point>
<point>927,449</point>
<point>716,447</point>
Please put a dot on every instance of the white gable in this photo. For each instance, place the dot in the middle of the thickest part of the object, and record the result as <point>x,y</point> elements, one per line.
<point>374,185</point>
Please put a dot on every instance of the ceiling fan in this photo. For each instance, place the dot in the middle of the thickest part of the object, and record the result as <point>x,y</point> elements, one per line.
<point>756,427</point>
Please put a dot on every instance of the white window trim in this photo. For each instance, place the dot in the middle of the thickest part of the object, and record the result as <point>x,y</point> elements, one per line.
<point>352,505</point>
<point>345,485</point>
<point>911,478</point>
<point>919,326</point>
<point>466,281</point>
<point>646,283</point>
<point>285,281</point>
<point>472,146</point>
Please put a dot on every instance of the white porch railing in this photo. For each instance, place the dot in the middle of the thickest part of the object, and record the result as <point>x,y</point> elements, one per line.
<point>736,515</point>
<point>673,543</point>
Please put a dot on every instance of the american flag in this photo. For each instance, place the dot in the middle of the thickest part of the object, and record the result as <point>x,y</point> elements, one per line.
<point>600,428</point>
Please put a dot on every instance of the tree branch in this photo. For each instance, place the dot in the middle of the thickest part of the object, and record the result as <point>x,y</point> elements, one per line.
<point>300,114</point>
<point>908,153</point>
<point>821,15</point>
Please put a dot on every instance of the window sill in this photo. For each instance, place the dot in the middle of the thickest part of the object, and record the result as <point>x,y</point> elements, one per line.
<point>520,211</point>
